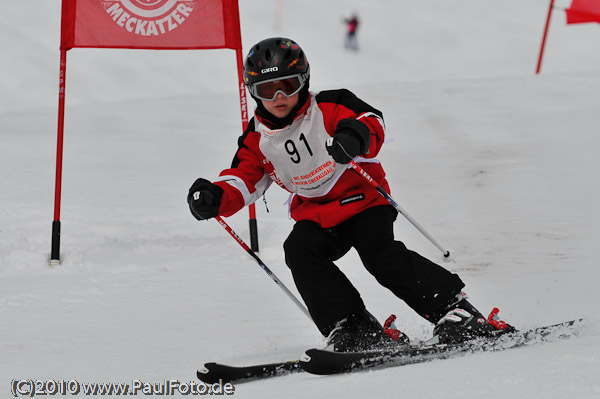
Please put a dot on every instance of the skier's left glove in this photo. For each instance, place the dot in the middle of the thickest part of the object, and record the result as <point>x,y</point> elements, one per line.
<point>204,199</point>
<point>351,138</point>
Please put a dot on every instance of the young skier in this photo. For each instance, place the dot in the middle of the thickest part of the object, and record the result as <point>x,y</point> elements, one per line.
<point>303,141</point>
<point>351,25</point>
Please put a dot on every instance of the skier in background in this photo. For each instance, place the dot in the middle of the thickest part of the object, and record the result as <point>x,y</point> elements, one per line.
<point>351,25</point>
<point>303,141</point>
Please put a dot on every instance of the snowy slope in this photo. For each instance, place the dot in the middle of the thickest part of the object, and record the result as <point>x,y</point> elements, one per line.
<point>498,164</point>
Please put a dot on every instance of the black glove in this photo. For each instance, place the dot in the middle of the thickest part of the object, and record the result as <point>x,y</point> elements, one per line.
<point>351,138</point>
<point>204,199</point>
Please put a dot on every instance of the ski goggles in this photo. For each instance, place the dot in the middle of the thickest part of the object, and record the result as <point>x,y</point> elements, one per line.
<point>269,89</point>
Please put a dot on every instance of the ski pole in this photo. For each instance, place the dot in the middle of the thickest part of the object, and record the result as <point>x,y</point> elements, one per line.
<point>263,266</point>
<point>389,198</point>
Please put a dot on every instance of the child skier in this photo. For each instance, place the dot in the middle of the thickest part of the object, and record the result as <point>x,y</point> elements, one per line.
<point>352,26</point>
<point>335,209</point>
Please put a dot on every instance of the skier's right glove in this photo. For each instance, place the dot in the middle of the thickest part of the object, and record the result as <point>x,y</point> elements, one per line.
<point>204,199</point>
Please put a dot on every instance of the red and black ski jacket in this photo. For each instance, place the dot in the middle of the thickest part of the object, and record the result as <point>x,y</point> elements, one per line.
<point>295,158</point>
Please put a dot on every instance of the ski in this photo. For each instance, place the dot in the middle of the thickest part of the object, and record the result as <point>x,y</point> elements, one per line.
<point>323,362</point>
<point>212,373</point>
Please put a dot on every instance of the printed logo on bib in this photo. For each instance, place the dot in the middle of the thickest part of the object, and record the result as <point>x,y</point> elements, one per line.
<point>351,199</point>
<point>269,133</point>
<point>317,174</point>
<point>149,17</point>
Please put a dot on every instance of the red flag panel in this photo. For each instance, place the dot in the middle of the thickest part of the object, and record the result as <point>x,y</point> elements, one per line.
<point>151,24</point>
<point>582,11</point>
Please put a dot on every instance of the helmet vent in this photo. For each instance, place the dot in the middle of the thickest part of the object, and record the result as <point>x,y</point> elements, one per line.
<point>268,55</point>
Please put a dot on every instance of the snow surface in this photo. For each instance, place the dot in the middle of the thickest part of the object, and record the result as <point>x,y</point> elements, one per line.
<point>499,164</point>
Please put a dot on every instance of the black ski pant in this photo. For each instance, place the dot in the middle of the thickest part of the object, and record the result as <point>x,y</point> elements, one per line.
<point>310,251</point>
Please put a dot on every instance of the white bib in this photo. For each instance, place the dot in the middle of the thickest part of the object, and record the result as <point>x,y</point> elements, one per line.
<point>298,154</point>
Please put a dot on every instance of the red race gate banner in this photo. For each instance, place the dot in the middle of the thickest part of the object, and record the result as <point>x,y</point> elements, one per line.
<point>582,11</point>
<point>145,24</point>
<point>151,24</point>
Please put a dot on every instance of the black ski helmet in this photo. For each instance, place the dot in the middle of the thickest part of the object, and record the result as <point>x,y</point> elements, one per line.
<point>273,58</point>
